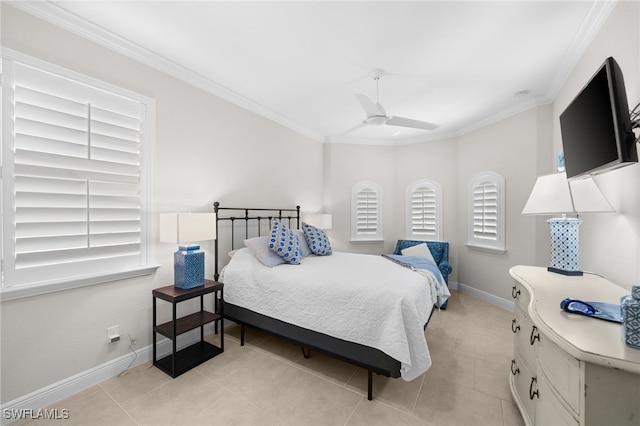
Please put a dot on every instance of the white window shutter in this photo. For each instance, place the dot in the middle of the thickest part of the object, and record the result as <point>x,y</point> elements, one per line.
<point>424,210</point>
<point>485,211</point>
<point>76,181</point>
<point>487,221</point>
<point>366,212</point>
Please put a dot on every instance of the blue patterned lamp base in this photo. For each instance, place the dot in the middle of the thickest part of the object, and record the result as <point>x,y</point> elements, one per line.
<point>630,308</point>
<point>188,267</point>
<point>565,246</point>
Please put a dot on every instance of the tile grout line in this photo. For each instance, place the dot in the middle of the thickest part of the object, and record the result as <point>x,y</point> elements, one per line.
<point>118,404</point>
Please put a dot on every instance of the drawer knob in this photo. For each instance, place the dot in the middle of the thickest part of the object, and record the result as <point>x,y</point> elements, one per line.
<point>514,369</point>
<point>514,293</point>
<point>514,326</point>
<point>532,393</point>
<point>532,338</point>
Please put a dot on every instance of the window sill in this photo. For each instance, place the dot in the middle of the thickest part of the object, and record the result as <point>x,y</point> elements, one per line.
<point>20,292</point>
<point>375,241</point>
<point>487,249</point>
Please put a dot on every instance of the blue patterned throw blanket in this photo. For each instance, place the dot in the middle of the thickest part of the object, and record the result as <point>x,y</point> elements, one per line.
<point>418,264</point>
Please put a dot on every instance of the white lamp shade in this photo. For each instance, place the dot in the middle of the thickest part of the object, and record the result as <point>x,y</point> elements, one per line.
<point>587,197</point>
<point>319,220</point>
<point>554,194</point>
<point>550,195</point>
<point>187,227</point>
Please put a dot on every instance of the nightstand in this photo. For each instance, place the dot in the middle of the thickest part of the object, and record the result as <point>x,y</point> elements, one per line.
<point>180,361</point>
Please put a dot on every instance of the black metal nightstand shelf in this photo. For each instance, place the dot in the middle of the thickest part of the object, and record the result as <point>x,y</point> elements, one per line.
<point>185,359</point>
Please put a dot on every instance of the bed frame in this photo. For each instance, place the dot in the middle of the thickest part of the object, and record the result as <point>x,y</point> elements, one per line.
<point>245,220</point>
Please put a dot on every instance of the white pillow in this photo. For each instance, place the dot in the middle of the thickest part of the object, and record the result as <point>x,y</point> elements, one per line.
<point>259,247</point>
<point>419,250</point>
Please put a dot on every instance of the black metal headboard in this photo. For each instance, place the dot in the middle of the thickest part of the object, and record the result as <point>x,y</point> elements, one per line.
<point>251,219</point>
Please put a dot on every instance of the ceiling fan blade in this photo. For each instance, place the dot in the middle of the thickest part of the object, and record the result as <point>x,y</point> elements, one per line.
<point>354,128</point>
<point>407,122</point>
<point>370,108</point>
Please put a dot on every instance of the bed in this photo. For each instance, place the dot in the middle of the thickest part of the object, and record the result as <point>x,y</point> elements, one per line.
<point>364,309</point>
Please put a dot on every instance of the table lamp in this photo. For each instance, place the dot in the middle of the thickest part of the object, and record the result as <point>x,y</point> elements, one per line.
<point>185,229</point>
<point>554,194</point>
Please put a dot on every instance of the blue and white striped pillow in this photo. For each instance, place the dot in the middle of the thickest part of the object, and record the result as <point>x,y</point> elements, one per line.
<point>317,240</point>
<point>285,243</point>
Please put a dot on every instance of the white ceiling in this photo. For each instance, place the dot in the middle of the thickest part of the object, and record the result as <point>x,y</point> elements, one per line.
<point>457,64</point>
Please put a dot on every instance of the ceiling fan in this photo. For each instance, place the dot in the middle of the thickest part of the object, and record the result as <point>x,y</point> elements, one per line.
<point>377,116</point>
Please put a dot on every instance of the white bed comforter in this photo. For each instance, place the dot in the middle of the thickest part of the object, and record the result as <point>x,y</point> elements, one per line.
<point>365,299</point>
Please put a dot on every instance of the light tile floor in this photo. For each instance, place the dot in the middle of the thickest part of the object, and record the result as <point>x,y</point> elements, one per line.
<point>268,382</point>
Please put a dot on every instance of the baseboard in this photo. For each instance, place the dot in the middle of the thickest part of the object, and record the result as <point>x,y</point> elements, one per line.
<point>507,305</point>
<point>71,385</point>
<point>65,388</point>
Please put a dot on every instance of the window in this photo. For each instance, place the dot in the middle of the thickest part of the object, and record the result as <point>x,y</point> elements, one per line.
<point>423,204</point>
<point>366,212</point>
<point>76,179</point>
<point>486,216</point>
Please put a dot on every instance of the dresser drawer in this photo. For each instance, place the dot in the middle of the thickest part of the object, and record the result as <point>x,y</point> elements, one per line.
<point>524,334</point>
<point>562,372</point>
<point>520,296</point>
<point>548,408</point>
<point>522,375</point>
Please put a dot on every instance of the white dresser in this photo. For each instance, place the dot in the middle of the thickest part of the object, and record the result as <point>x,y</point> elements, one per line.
<point>570,369</point>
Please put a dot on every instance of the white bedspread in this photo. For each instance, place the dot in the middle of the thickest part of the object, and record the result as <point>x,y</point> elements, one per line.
<point>365,299</point>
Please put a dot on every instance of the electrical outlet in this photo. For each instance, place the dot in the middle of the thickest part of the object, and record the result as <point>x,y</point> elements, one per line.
<point>113,335</point>
<point>134,341</point>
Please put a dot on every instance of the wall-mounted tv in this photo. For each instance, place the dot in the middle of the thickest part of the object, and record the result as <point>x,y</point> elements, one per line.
<point>596,127</point>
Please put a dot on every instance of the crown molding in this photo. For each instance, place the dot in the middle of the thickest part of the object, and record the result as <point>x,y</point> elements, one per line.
<point>596,17</point>
<point>504,114</point>
<point>68,21</point>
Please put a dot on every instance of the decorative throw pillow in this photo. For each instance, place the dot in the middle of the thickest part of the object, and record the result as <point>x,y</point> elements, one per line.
<point>317,240</point>
<point>285,243</point>
<point>259,247</point>
<point>304,247</point>
<point>421,250</point>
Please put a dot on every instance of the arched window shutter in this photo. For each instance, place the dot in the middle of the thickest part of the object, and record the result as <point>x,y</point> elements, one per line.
<point>487,212</point>
<point>366,212</point>
<point>423,210</point>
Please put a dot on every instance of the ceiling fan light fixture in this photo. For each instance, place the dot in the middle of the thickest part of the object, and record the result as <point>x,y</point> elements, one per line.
<point>376,120</point>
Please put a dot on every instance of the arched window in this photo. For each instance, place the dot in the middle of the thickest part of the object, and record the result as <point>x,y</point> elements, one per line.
<point>366,212</point>
<point>424,210</point>
<point>486,215</point>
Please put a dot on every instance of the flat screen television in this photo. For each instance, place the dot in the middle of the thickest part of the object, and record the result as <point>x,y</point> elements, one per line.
<point>596,127</point>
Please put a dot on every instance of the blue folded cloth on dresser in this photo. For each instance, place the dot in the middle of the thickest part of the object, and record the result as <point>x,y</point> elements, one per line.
<point>600,310</point>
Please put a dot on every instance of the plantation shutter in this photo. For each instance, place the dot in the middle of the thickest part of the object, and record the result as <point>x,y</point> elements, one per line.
<point>486,218</point>
<point>367,211</point>
<point>77,179</point>
<point>423,212</point>
<point>485,211</point>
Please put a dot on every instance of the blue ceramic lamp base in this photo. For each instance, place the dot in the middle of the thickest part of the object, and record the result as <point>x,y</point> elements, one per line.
<point>565,246</point>
<point>188,267</point>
